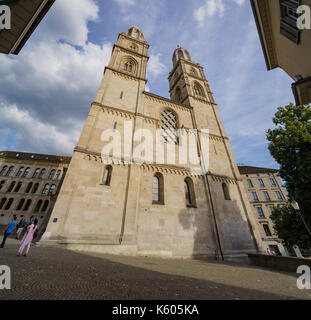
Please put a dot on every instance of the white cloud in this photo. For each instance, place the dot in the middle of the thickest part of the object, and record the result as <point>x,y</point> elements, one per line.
<point>155,67</point>
<point>68,22</point>
<point>211,8</point>
<point>37,135</point>
<point>47,89</point>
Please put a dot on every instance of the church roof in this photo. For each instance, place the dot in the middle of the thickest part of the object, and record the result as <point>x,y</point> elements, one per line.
<point>34,156</point>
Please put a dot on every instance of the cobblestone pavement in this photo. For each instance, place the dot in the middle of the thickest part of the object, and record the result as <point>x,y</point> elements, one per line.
<point>52,273</point>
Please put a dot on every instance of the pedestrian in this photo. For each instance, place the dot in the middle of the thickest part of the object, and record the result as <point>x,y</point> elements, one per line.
<point>20,227</point>
<point>9,229</point>
<point>28,236</point>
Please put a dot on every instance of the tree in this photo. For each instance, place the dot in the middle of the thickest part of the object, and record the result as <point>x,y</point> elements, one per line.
<point>290,227</point>
<point>290,146</point>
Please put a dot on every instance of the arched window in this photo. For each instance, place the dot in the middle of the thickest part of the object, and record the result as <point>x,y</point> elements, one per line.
<point>107,176</point>
<point>178,94</point>
<point>12,185</point>
<point>2,202</point>
<point>226,191</point>
<point>29,187</point>
<point>128,66</point>
<point>45,206</point>
<point>198,90</point>
<point>8,205</point>
<point>3,170</point>
<point>133,47</point>
<point>158,189</point>
<point>27,205</point>
<point>20,205</point>
<point>169,126</point>
<point>52,173</point>
<point>193,72</point>
<point>130,32</point>
<point>46,189</point>
<point>35,188</point>
<point>18,187</point>
<point>38,206</point>
<point>25,175</point>
<point>42,173</point>
<point>9,171</point>
<point>59,172</point>
<point>52,189</point>
<point>2,184</point>
<point>35,175</point>
<point>189,193</point>
<point>20,171</point>
<point>180,53</point>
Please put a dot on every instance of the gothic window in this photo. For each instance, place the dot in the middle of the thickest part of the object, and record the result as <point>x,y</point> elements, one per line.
<point>46,189</point>
<point>158,189</point>
<point>8,206</point>
<point>2,184</point>
<point>45,206</point>
<point>59,172</point>
<point>38,206</point>
<point>198,91</point>
<point>107,176</point>
<point>130,32</point>
<point>18,187</point>
<point>225,190</point>
<point>35,175</point>
<point>3,200</point>
<point>178,94</point>
<point>19,171</point>
<point>29,187</point>
<point>42,173</point>
<point>189,193</point>
<point>27,205</point>
<point>9,171</point>
<point>52,189</point>
<point>180,53</point>
<point>12,185</point>
<point>133,47</point>
<point>193,72</point>
<point>35,188</point>
<point>52,173</point>
<point>20,205</point>
<point>3,170</point>
<point>169,126</point>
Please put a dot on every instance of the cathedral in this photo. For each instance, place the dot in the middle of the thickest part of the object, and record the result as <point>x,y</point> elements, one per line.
<point>127,204</point>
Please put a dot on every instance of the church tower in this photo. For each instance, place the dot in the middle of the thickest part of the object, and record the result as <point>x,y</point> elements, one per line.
<point>136,204</point>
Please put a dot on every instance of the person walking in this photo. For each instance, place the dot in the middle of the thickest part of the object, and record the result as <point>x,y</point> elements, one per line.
<point>29,235</point>
<point>9,229</point>
<point>20,227</point>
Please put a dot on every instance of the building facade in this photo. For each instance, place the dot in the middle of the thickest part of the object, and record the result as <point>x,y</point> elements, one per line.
<point>265,192</point>
<point>29,185</point>
<point>140,206</point>
<point>284,44</point>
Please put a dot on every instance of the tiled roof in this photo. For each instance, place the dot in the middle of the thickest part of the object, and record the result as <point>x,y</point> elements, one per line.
<point>34,156</point>
<point>250,170</point>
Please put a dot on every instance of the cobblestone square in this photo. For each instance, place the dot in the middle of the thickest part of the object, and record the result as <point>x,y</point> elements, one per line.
<point>53,273</point>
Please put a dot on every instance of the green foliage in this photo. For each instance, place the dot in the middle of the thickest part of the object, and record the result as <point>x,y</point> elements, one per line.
<point>290,146</point>
<point>290,227</point>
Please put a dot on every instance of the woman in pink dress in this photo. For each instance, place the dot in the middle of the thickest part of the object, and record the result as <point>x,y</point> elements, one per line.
<point>26,241</point>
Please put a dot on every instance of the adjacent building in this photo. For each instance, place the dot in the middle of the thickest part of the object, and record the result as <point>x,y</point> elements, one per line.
<point>29,185</point>
<point>18,20</point>
<point>283,44</point>
<point>265,192</point>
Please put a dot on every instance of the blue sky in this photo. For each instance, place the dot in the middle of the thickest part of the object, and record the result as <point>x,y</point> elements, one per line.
<point>46,91</point>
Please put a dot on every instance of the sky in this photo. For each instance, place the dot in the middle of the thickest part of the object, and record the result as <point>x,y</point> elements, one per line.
<point>46,91</point>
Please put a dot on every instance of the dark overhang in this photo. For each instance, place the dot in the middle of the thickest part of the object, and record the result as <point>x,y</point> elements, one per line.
<point>25,17</point>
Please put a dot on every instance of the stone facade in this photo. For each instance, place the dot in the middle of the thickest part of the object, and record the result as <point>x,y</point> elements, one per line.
<point>29,185</point>
<point>112,208</point>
